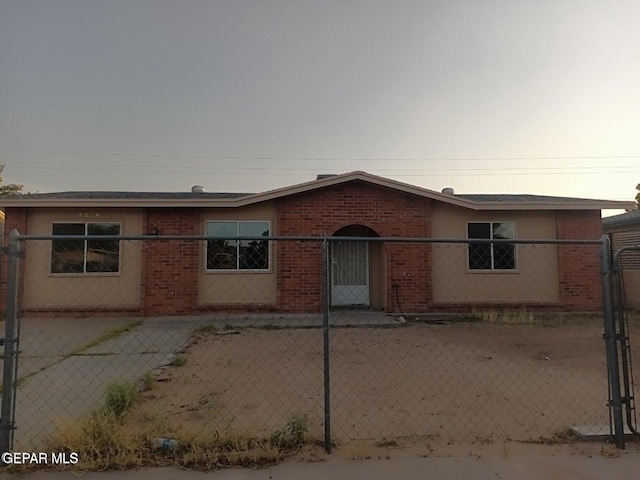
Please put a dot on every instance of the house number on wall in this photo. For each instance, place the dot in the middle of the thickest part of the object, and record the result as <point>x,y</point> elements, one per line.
<point>88,214</point>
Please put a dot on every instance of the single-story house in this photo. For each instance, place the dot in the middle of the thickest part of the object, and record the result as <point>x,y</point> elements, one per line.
<point>624,231</point>
<point>168,277</point>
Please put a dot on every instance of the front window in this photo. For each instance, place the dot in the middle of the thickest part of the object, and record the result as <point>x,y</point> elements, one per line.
<point>492,256</point>
<point>82,255</point>
<point>223,254</point>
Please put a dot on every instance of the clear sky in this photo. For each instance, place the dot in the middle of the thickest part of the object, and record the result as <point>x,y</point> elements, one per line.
<point>486,96</point>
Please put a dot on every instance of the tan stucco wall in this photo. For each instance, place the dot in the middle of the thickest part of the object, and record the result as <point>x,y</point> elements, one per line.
<point>234,287</point>
<point>534,281</point>
<point>42,289</point>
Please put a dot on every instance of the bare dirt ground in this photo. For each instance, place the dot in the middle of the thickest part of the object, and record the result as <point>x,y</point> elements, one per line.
<point>447,383</point>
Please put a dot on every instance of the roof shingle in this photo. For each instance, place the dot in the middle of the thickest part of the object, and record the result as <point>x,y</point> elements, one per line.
<point>628,218</point>
<point>80,195</point>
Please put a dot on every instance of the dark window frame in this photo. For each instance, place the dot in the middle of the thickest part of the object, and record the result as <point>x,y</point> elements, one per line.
<point>239,261</point>
<point>85,266</point>
<point>489,256</point>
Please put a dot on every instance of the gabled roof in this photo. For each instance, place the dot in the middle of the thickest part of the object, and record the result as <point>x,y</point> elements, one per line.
<point>189,199</point>
<point>623,220</point>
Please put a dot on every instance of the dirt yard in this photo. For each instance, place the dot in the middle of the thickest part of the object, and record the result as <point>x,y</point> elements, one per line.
<point>447,383</point>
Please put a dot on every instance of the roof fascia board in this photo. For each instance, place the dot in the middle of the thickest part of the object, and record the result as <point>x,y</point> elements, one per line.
<point>575,205</point>
<point>122,203</point>
<point>348,177</point>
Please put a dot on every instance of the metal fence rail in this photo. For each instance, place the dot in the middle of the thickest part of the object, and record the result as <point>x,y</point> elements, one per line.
<point>342,339</point>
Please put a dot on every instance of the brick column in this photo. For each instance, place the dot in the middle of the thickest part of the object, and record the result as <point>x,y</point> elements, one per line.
<point>170,268</point>
<point>579,265</point>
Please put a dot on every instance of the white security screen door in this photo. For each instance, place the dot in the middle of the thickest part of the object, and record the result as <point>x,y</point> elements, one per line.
<point>349,273</point>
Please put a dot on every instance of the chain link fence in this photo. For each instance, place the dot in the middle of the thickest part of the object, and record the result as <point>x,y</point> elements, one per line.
<point>237,340</point>
<point>626,289</point>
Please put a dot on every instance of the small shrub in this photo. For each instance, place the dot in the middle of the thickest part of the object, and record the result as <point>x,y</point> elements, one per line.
<point>148,381</point>
<point>120,397</point>
<point>297,427</point>
<point>292,435</point>
<point>178,361</point>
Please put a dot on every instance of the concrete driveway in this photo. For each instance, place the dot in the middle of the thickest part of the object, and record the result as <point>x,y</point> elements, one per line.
<point>66,364</point>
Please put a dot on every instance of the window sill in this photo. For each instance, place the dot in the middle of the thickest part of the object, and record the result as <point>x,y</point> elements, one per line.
<point>236,272</point>
<point>477,272</point>
<point>84,275</point>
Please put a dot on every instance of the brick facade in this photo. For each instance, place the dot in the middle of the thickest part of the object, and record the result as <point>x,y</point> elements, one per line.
<point>323,212</point>
<point>579,265</point>
<point>170,268</point>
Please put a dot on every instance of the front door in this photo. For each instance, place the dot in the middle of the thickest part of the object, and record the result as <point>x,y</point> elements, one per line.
<point>349,273</point>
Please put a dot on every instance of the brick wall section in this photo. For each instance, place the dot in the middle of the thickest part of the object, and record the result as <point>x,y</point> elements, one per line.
<point>170,268</point>
<point>15,218</point>
<point>579,265</point>
<point>388,213</point>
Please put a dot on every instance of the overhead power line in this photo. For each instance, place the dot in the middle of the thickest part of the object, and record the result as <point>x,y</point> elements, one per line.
<point>314,169</point>
<point>443,172</point>
<point>337,159</point>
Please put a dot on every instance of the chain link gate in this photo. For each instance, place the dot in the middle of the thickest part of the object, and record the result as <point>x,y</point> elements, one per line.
<point>626,258</point>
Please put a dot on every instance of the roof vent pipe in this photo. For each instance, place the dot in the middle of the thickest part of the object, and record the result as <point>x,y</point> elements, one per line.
<point>448,191</point>
<point>197,189</point>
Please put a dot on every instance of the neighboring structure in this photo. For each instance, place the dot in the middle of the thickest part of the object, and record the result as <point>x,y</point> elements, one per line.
<point>163,278</point>
<point>624,231</point>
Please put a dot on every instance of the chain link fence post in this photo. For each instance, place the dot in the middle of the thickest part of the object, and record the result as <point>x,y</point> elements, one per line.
<point>10,342</point>
<point>326,292</point>
<point>610,337</point>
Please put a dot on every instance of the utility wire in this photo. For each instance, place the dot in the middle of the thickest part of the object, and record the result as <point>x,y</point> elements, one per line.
<point>605,169</point>
<point>298,172</point>
<point>337,159</point>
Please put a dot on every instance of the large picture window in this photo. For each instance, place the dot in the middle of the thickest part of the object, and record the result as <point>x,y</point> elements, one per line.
<point>85,256</point>
<point>492,256</point>
<point>238,254</point>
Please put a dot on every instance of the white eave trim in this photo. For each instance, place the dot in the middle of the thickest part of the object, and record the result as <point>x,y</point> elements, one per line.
<point>568,205</point>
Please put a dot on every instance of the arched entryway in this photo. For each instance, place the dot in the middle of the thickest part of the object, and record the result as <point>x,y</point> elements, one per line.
<point>357,270</point>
